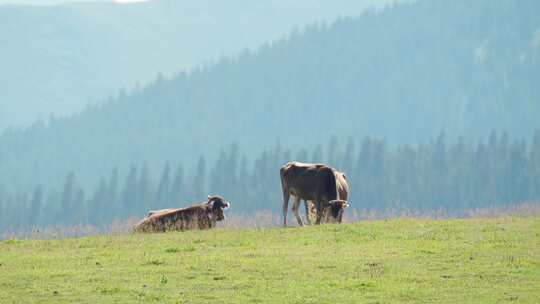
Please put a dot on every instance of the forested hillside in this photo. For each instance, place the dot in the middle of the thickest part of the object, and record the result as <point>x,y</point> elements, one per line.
<point>404,75</point>
<point>56,59</point>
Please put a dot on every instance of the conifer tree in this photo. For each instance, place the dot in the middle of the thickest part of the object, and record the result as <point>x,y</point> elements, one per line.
<point>164,188</point>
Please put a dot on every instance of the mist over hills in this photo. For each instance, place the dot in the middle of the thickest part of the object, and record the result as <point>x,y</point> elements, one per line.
<point>404,74</point>
<point>56,59</point>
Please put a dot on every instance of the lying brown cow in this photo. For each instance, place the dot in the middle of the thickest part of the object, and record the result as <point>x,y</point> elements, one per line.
<point>310,182</point>
<point>202,216</point>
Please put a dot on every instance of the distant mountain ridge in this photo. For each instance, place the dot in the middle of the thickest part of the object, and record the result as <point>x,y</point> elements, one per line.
<point>55,59</point>
<point>405,74</point>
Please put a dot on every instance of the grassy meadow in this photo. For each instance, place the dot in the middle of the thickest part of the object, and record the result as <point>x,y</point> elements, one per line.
<point>385,261</point>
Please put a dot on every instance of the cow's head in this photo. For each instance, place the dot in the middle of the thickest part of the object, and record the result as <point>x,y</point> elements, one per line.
<point>334,210</point>
<point>217,205</point>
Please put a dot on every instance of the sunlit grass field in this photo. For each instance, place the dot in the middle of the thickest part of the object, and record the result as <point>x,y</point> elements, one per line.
<point>395,261</point>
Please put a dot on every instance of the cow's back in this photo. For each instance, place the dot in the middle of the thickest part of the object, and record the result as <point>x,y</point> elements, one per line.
<point>308,181</point>
<point>176,219</point>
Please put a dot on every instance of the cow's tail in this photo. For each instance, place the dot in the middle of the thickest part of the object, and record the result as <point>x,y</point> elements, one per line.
<point>146,225</point>
<point>139,227</point>
<point>286,194</point>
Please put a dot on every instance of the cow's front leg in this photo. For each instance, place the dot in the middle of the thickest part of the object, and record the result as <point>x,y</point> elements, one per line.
<point>307,207</point>
<point>296,205</point>
<point>318,205</point>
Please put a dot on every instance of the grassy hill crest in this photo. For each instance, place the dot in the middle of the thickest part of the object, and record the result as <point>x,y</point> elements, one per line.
<point>387,261</point>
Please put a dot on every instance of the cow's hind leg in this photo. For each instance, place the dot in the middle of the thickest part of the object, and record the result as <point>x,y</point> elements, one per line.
<point>286,196</point>
<point>296,205</point>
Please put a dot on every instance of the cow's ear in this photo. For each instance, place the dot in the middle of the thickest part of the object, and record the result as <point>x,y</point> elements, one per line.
<point>211,204</point>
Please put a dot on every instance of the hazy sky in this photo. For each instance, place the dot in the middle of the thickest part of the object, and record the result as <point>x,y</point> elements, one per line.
<point>42,2</point>
<point>49,2</point>
<point>70,69</point>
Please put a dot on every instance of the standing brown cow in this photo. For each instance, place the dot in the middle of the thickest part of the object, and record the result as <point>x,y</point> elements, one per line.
<point>201,216</point>
<point>310,182</point>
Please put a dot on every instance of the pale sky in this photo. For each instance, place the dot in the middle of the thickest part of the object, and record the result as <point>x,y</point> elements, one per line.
<point>51,2</point>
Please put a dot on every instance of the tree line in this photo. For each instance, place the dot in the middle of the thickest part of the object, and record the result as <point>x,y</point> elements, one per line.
<point>430,176</point>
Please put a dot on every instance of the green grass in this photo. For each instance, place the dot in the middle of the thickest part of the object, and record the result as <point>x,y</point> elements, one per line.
<point>395,261</point>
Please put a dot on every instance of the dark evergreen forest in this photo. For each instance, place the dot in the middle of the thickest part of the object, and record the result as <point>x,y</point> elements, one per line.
<point>438,175</point>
